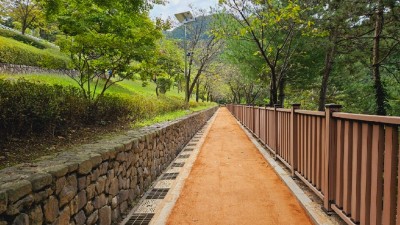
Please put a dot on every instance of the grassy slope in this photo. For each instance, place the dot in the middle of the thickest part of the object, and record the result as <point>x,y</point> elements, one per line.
<point>126,87</point>
<point>172,115</point>
<point>16,52</point>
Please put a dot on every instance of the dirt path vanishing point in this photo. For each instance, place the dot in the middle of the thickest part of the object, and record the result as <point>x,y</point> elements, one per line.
<point>231,183</point>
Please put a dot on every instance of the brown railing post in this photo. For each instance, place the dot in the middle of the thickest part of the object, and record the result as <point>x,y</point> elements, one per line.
<point>329,154</point>
<point>293,138</point>
<point>276,130</point>
<point>253,120</point>
<point>265,125</point>
<point>259,121</point>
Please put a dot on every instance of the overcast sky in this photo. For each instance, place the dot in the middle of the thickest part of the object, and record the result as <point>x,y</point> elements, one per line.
<point>177,6</point>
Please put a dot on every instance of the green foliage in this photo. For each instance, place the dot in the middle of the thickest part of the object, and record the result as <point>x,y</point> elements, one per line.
<point>24,39</point>
<point>174,115</point>
<point>145,83</point>
<point>103,38</point>
<point>28,108</point>
<point>126,87</point>
<point>163,84</point>
<point>24,13</point>
<point>274,29</point>
<point>15,52</point>
<point>163,67</point>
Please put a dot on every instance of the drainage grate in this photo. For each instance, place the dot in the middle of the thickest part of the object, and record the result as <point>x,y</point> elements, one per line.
<point>140,219</point>
<point>178,164</point>
<point>188,149</point>
<point>191,144</point>
<point>169,176</point>
<point>157,193</point>
<point>183,156</point>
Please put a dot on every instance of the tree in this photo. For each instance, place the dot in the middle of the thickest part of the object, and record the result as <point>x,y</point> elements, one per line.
<point>331,21</point>
<point>214,86</point>
<point>103,39</point>
<point>169,60</point>
<point>375,31</point>
<point>203,49</point>
<point>386,43</point>
<point>273,27</point>
<point>163,67</point>
<point>25,12</point>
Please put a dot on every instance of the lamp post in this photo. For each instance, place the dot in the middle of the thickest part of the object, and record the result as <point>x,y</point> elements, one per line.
<point>184,18</point>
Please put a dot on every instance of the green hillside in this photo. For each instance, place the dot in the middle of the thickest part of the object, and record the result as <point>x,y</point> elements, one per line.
<point>126,87</point>
<point>17,52</point>
<point>179,32</point>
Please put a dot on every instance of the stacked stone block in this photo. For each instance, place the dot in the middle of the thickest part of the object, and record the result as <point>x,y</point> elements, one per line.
<point>23,69</point>
<point>93,183</point>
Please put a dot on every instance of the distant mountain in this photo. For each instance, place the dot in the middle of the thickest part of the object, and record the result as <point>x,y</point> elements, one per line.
<point>179,32</point>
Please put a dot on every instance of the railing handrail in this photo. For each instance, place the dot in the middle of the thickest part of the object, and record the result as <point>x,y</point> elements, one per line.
<point>283,110</point>
<point>368,118</point>
<point>309,112</point>
<point>348,160</point>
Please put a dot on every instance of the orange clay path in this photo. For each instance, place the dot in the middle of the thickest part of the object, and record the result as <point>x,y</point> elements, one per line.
<point>231,183</point>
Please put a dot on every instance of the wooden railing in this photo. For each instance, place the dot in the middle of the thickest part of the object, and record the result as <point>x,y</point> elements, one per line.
<point>350,161</point>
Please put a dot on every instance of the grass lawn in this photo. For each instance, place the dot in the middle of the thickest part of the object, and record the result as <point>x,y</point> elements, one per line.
<point>172,115</point>
<point>126,87</point>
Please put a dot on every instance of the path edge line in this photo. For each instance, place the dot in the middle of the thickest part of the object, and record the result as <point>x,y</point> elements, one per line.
<point>301,197</point>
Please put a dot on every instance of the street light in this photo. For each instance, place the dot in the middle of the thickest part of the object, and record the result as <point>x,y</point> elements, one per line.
<point>185,17</point>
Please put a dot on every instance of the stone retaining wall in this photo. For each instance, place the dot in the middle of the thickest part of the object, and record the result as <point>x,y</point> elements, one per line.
<point>94,183</point>
<point>22,69</point>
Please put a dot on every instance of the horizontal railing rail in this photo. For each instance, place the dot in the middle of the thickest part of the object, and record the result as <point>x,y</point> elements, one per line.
<point>350,161</point>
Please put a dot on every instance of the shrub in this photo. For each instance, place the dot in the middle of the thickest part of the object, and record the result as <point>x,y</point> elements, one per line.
<point>15,52</point>
<point>28,108</point>
<point>25,39</point>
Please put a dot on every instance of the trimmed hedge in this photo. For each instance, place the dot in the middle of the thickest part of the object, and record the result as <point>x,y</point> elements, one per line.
<point>25,39</point>
<point>14,52</point>
<point>28,108</point>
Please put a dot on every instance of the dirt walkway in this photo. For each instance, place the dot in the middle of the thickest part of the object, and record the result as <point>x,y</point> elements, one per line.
<point>231,183</point>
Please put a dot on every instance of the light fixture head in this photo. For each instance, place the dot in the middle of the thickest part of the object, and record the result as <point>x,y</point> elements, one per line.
<point>184,17</point>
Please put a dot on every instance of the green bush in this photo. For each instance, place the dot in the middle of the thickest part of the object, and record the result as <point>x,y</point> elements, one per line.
<point>15,52</point>
<point>24,39</point>
<point>28,108</point>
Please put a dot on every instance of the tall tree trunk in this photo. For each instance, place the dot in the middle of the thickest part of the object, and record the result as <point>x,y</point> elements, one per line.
<point>187,89</point>
<point>233,93</point>
<point>273,95</point>
<point>179,84</point>
<point>24,27</point>
<point>329,59</point>
<point>197,90</point>
<point>282,91</point>
<point>380,93</point>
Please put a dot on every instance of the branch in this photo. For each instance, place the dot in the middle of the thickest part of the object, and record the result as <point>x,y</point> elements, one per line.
<point>392,73</point>
<point>389,52</point>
